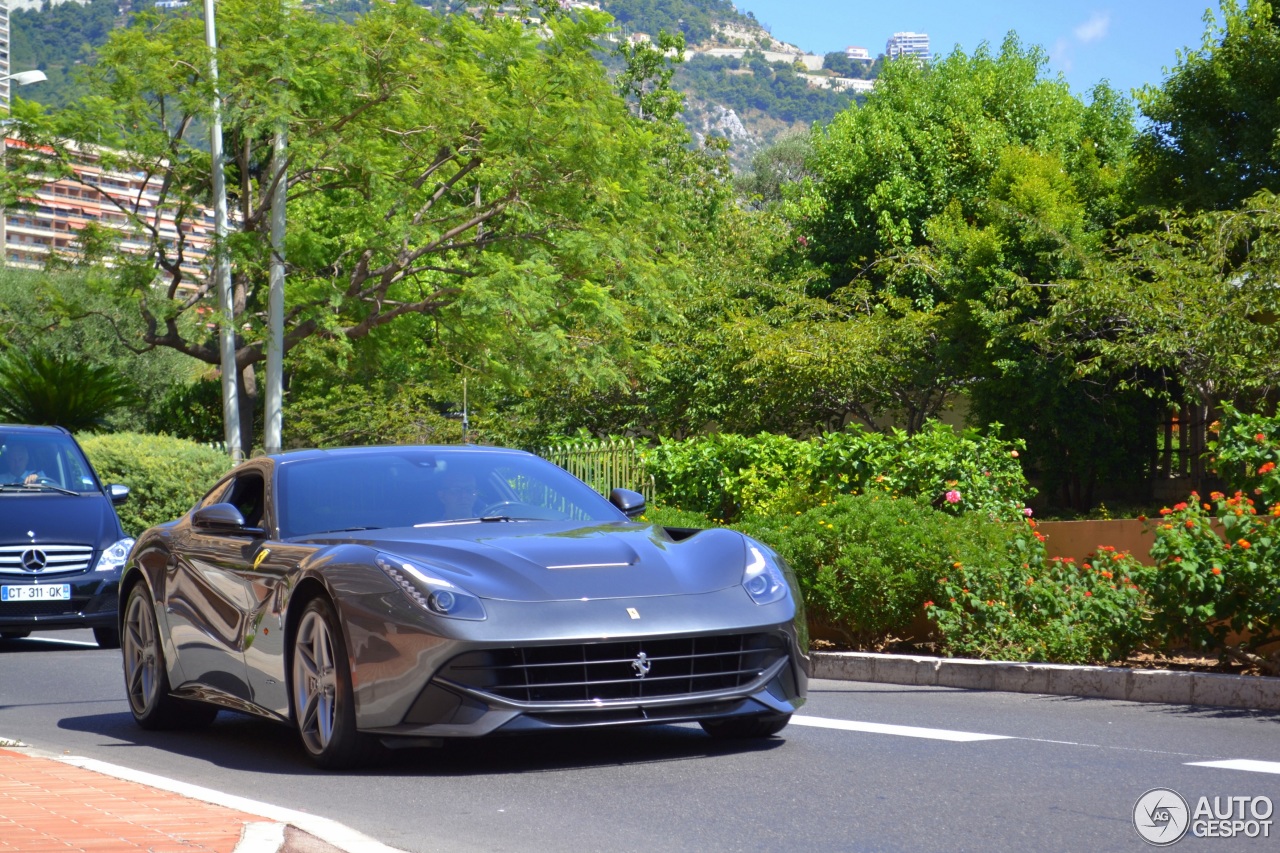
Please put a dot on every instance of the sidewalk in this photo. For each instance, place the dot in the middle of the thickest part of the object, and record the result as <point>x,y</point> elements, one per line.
<point>52,804</point>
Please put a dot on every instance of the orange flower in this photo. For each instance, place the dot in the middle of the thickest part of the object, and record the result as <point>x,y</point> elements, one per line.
<point>1260,438</point>
<point>955,565</point>
<point>1190,523</point>
<point>1217,571</point>
<point>928,604</point>
<point>1267,468</point>
<point>1088,594</point>
<point>1243,543</point>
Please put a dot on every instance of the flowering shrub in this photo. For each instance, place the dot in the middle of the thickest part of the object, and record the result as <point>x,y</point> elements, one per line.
<point>1020,605</point>
<point>1218,574</point>
<point>1246,453</point>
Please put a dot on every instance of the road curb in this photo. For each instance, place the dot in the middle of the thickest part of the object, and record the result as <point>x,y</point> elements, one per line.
<point>1102,682</point>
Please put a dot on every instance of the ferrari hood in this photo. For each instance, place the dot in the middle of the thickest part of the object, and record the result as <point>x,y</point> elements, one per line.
<point>546,562</point>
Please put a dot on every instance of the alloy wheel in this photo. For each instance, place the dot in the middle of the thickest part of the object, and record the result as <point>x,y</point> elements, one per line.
<point>315,682</point>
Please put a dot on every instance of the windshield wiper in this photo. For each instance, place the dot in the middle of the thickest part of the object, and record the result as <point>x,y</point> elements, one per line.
<point>36,487</point>
<point>348,529</point>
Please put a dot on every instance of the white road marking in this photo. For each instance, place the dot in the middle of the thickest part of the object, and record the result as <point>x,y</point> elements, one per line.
<point>901,731</point>
<point>1240,764</point>
<point>57,642</point>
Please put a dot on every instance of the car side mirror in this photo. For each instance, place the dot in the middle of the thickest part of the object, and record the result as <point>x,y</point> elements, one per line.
<point>118,493</point>
<point>631,503</point>
<point>222,518</point>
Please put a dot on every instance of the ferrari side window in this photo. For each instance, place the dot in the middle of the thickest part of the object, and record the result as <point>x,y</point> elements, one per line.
<point>247,496</point>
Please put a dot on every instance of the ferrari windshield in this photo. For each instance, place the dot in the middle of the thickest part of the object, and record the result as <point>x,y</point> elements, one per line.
<point>44,460</point>
<point>371,488</point>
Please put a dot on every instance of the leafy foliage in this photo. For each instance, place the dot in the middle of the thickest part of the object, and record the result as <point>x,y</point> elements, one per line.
<point>753,83</point>
<point>729,476</point>
<point>1211,140</point>
<point>165,476</point>
<point>42,388</point>
<point>56,39</point>
<point>867,562</point>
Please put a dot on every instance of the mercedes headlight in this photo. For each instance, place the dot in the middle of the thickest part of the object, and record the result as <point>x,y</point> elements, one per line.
<point>113,558</point>
<point>763,580</point>
<point>432,594</point>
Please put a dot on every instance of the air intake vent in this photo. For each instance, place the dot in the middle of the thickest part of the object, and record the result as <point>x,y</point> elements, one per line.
<point>613,671</point>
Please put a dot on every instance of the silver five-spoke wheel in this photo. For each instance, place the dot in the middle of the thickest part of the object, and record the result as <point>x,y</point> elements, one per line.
<point>315,682</point>
<point>142,660</point>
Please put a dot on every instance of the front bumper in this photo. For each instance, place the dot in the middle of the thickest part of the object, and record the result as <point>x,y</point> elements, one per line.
<point>94,603</point>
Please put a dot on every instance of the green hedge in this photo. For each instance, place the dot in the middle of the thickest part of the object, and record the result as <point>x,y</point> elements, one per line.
<point>729,476</point>
<point>165,476</point>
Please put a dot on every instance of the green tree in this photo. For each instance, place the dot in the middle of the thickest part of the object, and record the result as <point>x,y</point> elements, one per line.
<point>950,207</point>
<point>1211,141</point>
<point>472,172</point>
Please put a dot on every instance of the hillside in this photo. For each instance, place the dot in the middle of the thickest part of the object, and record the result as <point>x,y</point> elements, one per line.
<point>739,82</point>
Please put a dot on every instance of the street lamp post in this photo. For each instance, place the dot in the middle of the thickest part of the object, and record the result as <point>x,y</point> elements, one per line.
<point>221,262</point>
<point>22,78</point>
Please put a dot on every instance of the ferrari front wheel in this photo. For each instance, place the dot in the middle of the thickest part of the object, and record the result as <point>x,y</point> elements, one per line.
<point>323,701</point>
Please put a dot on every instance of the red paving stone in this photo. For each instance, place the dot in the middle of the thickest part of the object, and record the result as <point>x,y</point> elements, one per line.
<point>47,806</point>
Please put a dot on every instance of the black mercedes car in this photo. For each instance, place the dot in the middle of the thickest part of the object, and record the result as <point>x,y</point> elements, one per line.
<point>61,544</point>
<point>401,595</point>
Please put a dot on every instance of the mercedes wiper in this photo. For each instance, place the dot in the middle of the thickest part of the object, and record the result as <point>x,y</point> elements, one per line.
<point>36,487</point>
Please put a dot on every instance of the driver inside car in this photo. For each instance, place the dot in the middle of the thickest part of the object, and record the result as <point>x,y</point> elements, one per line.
<point>458,495</point>
<point>17,467</point>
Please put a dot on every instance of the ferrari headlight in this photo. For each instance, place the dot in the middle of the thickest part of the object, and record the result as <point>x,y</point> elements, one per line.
<point>432,594</point>
<point>113,558</point>
<point>763,580</point>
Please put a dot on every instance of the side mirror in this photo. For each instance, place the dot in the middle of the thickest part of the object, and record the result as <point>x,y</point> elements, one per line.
<point>222,518</point>
<point>118,493</point>
<point>631,503</point>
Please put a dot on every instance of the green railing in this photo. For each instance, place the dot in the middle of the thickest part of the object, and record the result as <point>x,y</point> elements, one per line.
<point>604,465</point>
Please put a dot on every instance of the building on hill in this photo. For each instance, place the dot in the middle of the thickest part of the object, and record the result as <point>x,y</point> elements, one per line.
<point>908,44</point>
<point>858,54</point>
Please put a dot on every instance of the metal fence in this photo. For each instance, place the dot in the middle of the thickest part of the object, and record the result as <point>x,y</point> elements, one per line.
<point>604,465</point>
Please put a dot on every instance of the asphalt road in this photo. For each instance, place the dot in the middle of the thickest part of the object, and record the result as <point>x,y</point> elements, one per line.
<point>867,767</point>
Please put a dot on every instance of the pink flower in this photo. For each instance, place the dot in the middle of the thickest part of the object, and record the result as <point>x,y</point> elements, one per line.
<point>1026,510</point>
<point>953,497</point>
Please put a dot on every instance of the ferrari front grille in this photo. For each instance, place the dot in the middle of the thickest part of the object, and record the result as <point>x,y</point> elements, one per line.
<point>618,670</point>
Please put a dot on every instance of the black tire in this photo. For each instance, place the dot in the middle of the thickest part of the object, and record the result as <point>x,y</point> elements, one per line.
<point>107,638</point>
<point>14,635</point>
<point>146,679</point>
<point>738,728</point>
<point>324,708</point>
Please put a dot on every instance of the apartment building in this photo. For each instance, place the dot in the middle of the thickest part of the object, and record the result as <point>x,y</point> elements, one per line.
<point>908,44</point>
<point>47,222</point>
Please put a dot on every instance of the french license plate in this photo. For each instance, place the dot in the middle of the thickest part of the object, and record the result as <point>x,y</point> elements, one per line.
<point>36,592</point>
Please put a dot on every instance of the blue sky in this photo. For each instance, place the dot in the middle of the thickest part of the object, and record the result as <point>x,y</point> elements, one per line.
<point>1127,42</point>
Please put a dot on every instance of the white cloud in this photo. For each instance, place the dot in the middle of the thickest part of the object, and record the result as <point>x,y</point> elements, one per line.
<point>1095,28</point>
<point>1060,56</point>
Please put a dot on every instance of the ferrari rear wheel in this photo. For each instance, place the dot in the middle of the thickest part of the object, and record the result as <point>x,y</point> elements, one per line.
<point>323,701</point>
<point>761,726</point>
<point>146,679</point>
